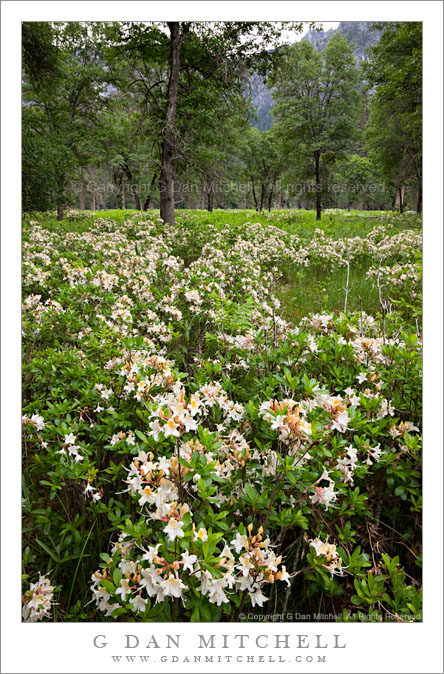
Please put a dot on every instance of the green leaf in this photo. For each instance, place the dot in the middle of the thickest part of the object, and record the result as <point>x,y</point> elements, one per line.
<point>53,555</point>
<point>142,436</point>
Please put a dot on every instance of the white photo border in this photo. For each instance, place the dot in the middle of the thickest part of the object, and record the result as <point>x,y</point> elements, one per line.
<point>62,647</point>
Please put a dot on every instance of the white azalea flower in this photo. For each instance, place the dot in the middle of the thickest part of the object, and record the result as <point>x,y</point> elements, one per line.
<point>38,421</point>
<point>239,542</point>
<point>202,534</point>
<point>257,598</point>
<point>153,551</point>
<point>173,587</point>
<point>124,590</point>
<point>174,529</point>
<point>188,561</point>
<point>170,428</point>
<point>138,603</point>
<point>156,429</point>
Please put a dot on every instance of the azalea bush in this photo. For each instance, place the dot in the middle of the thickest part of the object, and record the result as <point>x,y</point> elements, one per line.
<point>189,452</point>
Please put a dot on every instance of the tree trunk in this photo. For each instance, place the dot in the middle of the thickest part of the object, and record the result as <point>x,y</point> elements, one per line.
<point>122,198</point>
<point>262,197</point>
<point>148,203</point>
<point>82,190</point>
<point>82,196</point>
<point>318,185</point>
<point>91,189</point>
<point>419,202</point>
<point>60,197</point>
<point>210,201</point>
<point>394,198</point>
<point>418,170</point>
<point>400,199</point>
<point>270,198</point>
<point>134,189</point>
<point>254,192</point>
<point>361,202</point>
<point>279,200</point>
<point>169,158</point>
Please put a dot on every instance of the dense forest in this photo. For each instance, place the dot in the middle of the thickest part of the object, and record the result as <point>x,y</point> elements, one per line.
<point>223,115</point>
<point>360,34</point>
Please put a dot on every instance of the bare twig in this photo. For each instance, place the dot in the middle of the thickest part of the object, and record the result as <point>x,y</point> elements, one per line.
<point>275,342</point>
<point>265,336</point>
<point>179,469</point>
<point>382,302</point>
<point>347,287</point>
<point>361,323</point>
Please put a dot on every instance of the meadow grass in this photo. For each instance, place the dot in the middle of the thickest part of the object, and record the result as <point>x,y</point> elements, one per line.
<point>315,290</point>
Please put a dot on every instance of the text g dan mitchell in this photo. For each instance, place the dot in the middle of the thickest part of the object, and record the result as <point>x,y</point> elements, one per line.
<point>224,641</point>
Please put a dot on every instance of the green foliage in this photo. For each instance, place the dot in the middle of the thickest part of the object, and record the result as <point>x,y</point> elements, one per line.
<point>64,77</point>
<point>39,180</point>
<point>308,429</point>
<point>386,596</point>
<point>395,126</point>
<point>316,105</point>
<point>262,165</point>
<point>95,98</point>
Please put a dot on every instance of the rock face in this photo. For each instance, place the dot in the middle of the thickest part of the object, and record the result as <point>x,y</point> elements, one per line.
<point>358,33</point>
<point>262,103</point>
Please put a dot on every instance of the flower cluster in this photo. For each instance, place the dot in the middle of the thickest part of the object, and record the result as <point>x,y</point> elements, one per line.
<point>247,563</point>
<point>36,421</point>
<point>324,495</point>
<point>38,600</point>
<point>288,418</point>
<point>328,550</point>
<point>398,279</point>
<point>70,448</point>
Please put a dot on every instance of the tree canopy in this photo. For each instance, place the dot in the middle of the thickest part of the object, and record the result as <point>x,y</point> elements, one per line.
<point>161,114</point>
<point>395,123</point>
<point>316,104</point>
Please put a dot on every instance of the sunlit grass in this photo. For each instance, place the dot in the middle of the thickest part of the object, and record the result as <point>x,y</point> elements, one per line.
<point>314,290</point>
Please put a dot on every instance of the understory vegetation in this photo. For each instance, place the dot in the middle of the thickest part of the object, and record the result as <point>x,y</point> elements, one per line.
<point>222,416</point>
